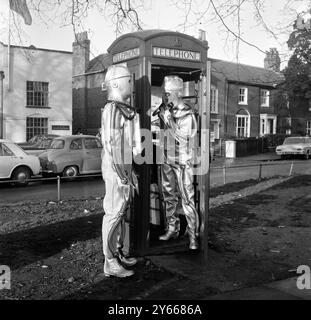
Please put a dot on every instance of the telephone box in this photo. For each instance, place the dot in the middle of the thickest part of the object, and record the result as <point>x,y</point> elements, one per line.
<point>151,55</point>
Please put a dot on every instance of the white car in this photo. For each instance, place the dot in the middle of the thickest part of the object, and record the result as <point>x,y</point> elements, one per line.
<point>15,164</point>
<point>295,146</point>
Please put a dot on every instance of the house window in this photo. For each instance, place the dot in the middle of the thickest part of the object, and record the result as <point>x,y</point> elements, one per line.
<point>214,129</point>
<point>309,128</point>
<point>37,94</point>
<point>243,124</point>
<point>214,100</point>
<point>243,95</point>
<point>36,126</point>
<point>263,127</point>
<point>264,98</point>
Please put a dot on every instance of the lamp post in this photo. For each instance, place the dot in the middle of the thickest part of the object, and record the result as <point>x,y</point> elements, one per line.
<point>1,104</point>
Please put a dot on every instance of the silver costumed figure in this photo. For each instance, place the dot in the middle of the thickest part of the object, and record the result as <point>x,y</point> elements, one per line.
<point>119,130</point>
<point>177,170</point>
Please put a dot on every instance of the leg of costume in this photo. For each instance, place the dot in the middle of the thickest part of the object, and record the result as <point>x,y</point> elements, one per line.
<point>121,235</point>
<point>185,183</point>
<point>170,196</point>
<point>115,204</point>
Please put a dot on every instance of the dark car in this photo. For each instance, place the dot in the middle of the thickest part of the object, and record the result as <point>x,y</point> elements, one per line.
<point>38,141</point>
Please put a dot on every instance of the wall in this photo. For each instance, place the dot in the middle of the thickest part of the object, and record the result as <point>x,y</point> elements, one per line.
<point>253,107</point>
<point>44,66</point>
<point>96,100</point>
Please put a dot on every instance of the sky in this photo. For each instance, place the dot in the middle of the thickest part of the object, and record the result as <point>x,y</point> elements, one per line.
<point>161,14</point>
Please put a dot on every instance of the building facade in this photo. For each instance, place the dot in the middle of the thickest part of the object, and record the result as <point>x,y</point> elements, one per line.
<point>37,92</point>
<point>246,100</point>
<point>242,97</point>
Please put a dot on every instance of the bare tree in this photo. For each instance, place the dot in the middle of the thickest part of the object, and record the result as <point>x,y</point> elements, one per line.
<point>230,16</point>
<point>233,16</point>
<point>122,13</point>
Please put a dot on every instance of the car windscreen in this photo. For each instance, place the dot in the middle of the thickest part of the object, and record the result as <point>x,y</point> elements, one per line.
<point>57,144</point>
<point>294,141</point>
<point>33,140</point>
<point>45,144</point>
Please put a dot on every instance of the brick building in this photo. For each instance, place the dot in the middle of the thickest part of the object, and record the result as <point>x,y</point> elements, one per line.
<point>242,97</point>
<point>246,99</point>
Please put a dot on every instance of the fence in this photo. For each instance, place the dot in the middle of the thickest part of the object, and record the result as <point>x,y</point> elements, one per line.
<point>58,186</point>
<point>219,176</point>
<point>258,171</point>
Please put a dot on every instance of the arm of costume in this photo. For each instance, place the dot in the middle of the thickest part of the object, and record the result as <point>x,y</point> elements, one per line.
<point>183,133</point>
<point>120,113</point>
<point>105,125</point>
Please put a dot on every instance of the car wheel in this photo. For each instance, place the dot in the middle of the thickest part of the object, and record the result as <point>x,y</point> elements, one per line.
<point>70,172</point>
<point>21,176</point>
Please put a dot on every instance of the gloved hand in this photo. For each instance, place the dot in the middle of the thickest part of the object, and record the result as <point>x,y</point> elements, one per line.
<point>165,116</point>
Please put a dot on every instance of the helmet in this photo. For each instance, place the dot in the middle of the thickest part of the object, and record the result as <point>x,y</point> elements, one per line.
<point>173,83</point>
<point>115,72</point>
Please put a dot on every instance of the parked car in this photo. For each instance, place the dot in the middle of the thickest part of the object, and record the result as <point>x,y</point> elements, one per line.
<point>37,141</point>
<point>71,156</point>
<point>40,146</point>
<point>295,146</point>
<point>15,164</point>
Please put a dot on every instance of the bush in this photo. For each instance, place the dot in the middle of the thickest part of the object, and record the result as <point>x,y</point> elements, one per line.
<point>275,140</point>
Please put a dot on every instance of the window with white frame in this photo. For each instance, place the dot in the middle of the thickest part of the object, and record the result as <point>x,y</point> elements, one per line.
<point>36,126</point>
<point>242,124</point>
<point>264,98</point>
<point>37,94</point>
<point>288,125</point>
<point>214,99</point>
<point>214,129</point>
<point>308,128</point>
<point>268,124</point>
<point>243,92</point>
<point>263,127</point>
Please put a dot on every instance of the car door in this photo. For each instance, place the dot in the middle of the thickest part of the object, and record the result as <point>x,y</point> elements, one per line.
<point>8,160</point>
<point>92,161</point>
<point>76,154</point>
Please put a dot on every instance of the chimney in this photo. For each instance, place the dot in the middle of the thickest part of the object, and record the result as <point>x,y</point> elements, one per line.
<point>81,53</point>
<point>272,60</point>
<point>202,36</point>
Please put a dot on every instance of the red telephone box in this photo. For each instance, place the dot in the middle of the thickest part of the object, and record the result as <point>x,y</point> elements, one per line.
<point>151,55</point>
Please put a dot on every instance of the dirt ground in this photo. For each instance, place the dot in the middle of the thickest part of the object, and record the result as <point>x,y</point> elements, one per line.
<point>55,252</point>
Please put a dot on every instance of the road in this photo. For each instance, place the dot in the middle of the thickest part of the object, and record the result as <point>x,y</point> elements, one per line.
<point>83,188</point>
<point>94,187</point>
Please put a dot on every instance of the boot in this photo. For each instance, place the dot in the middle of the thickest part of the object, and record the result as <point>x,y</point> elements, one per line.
<point>169,235</point>
<point>194,244</point>
<point>127,261</point>
<point>113,268</point>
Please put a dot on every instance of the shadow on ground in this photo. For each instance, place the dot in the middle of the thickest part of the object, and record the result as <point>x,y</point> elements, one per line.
<point>21,248</point>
